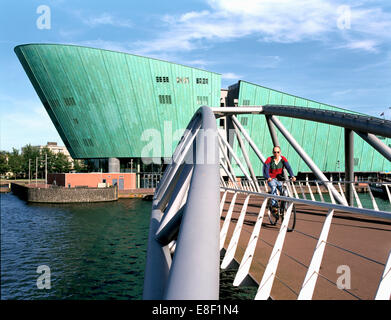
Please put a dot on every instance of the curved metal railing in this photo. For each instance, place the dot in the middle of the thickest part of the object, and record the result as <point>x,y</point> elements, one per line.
<point>185,238</point>
<point>185,219</point>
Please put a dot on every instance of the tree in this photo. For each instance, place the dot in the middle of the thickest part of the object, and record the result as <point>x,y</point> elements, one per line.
<point>4,167</point>
<point>79,166</point>
<point>61,163</point>
<point>15,162</point>
<point>30,152</point>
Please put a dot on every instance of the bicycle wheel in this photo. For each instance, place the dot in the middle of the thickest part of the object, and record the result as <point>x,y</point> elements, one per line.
<point>284,208</point>
<point>292,220</point>
<point>273,218</point>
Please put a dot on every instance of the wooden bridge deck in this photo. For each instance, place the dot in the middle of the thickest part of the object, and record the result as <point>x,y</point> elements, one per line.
<point>349,234</point>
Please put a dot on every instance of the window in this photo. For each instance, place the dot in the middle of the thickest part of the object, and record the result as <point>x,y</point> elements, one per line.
<point>69,101</point>
<point>54,103</point>
<point>75,121</point>
<point>202,100</point>
<point>165,99</point>
<point>88,142</point>
<point>162,79</point>
<point>356,161</point>
<point>246,102</point>
<point>202,80</point>
<point>244,121</point>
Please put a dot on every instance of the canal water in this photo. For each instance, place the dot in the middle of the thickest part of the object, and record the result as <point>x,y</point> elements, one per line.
<point>93,251</point>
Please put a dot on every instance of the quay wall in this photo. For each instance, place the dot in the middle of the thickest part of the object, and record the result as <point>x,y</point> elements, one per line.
<point>65,195</point>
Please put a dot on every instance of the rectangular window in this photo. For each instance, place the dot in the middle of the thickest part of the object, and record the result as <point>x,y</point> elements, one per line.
<point>88,142</point>
<point>356,161</point>
<point>75,121</point>
<point>202,100</point>
<point>162,79</point>
<point>202,80</point>
<point>244,121</point>
<point>165,99</point>
<point>246,102</point>
<point>69,101</point>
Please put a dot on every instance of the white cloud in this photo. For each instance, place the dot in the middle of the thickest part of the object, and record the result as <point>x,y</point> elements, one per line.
<point>284,21</point>
<point>367,45</point>
<point>231,76</point>
<point>107,19</point>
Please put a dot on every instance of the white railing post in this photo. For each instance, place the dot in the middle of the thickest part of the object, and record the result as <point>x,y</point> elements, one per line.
<point>230,253</point>
<point>308,286</point>
<point>266,284</point>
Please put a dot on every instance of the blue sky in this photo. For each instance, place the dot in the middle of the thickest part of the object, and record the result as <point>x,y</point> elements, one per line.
<point>336,52</point>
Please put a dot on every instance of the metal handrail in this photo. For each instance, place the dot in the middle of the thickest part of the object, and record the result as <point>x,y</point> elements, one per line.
<point>187,203</point>
<point>369,212</point>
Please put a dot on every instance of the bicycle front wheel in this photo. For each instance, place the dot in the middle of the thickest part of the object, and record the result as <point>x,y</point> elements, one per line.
<point>292,220</point>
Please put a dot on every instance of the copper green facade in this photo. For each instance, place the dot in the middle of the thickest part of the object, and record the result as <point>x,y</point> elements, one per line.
<point>322,142</point>
<point>102,101</point>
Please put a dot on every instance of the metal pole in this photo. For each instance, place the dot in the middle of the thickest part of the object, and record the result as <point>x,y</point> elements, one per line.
<point>194,271</point>
<point>227,161</point>
<point>29,171</point>
<point>246,158</point>
<point>46,170</point>
<point>272,131</point>
<point>349,165</point>
<point>250,141</point>
<point>307,159</point>
<point>36,171</point>
<point>376,143</point>
<point>230,135</point>
<point>232,152</point>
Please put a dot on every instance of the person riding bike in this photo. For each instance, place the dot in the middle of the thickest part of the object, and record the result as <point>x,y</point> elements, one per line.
<point>273,172</point>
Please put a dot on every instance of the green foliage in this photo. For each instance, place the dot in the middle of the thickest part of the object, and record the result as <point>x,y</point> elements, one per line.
<point>19,163</point>
<point>4,167</point>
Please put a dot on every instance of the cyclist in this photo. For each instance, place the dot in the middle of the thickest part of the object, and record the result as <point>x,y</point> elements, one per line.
<point>273,172</point>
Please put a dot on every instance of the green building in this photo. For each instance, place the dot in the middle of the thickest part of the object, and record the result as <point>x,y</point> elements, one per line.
<point>102,103</point>
<point>323,143</point>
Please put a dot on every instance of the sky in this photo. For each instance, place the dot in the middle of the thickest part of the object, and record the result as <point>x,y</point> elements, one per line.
<point>333,51</point>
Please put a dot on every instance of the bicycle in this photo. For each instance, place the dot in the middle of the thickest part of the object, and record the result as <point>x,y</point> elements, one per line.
<point>281,210</point>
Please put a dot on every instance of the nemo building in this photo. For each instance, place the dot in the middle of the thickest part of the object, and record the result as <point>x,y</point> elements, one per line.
<point>106,106</point>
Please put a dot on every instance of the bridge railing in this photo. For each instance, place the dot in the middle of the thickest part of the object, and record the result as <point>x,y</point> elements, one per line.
<point>312,189</point>
<point>270,270</point>
<point>185,219</point>
<point>185,238</point>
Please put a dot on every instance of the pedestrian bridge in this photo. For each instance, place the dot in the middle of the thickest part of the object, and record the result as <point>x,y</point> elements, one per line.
<point>204,218</point>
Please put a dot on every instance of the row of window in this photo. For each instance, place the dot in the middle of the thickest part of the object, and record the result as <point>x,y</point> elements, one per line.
<point>88,142</point>
<point>202,80</point>
<point>69,101</point>
<point>181,80</point>
<point>202,100</point>
<point>162,79</point>
<point>166,99</point>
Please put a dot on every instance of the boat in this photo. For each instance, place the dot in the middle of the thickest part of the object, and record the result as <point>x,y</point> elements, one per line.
<point>379,190</point>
